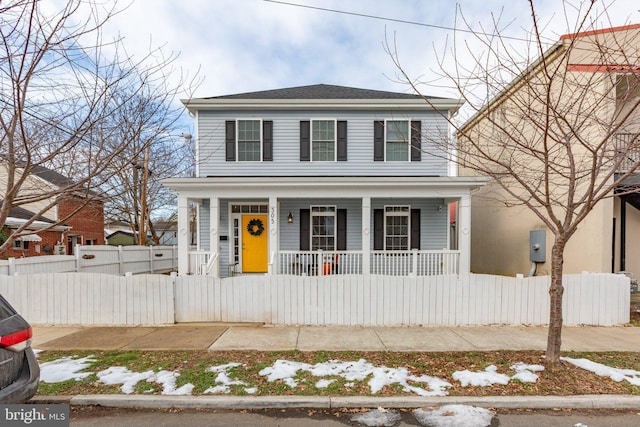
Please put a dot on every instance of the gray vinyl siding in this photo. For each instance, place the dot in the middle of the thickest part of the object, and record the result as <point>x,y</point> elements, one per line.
<point>434,222</point>
<point>286,145</point>
<point>290,233</point>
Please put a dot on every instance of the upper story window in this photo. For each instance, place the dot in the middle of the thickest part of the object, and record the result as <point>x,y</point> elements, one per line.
<point>323,140</point>
<point>396,228</point>
<point>397,140</point>
<point>249,140</point>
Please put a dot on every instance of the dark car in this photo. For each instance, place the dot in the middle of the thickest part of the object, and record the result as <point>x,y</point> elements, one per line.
<point>19,370</point>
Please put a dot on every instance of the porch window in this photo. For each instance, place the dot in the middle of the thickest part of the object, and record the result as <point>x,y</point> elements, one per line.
<point>397,140</point>
<point>396,227</point>
<point>249,146</point>
<point>323,230</point>
<point>323,140</point>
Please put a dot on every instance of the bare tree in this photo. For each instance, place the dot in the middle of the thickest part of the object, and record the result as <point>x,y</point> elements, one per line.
<point>556,128</point>
<point>61,86</point>
<point>155,149</point>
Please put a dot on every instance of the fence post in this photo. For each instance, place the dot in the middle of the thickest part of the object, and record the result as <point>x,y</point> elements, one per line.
<point>120,260</point>
<point>151,258</point>
<point>78,258</point>
<point>12,266</point>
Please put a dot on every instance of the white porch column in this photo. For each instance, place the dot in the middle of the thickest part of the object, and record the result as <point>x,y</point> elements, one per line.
<point>214,234</point>
<point>464,233</point>
<point>274,232</point>
<point>183,235</point>
<point>366,236</point>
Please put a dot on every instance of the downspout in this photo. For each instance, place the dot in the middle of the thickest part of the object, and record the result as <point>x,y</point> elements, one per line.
<point>623,232</point>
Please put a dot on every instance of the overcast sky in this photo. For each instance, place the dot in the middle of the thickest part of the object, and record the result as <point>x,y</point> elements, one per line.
<point>250,45</point>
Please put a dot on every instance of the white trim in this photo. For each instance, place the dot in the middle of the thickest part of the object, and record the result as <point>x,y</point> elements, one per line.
<point>260,142</point>
<point>406,213</point>
<point>233,215</point>
<point>335,139</point>
<point>322,104</point>
<point>333,214</point>
<point>408,141</point>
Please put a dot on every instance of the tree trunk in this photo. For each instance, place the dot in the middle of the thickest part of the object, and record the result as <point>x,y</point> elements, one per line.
<point>554,338</point>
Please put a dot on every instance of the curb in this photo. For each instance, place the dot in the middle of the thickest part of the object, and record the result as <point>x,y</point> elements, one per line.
<point>327,402</point>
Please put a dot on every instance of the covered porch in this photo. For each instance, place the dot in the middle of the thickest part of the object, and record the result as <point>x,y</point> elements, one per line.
<point>397,226</point>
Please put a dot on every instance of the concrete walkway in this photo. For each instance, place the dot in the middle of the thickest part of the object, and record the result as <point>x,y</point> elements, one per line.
<point>217,337</point>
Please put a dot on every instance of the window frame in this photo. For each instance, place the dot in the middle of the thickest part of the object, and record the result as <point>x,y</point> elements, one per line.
<point>405,213</point>
<point>332,213</point>
<point>335,139</point>
<point>407,142</point>
<point>260,141</point>
<point>20,245</point>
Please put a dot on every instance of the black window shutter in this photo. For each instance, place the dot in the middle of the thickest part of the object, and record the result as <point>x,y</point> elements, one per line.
<point>378,229</point>
<point>305,229</point>
<point>305,140</point>
<point>378,141</point>
<point>416,135</point>
<point>341,244</point>
<point>415,229</point>
<point>342,140</point>
<point>230,140</point>
<point>267,140</point>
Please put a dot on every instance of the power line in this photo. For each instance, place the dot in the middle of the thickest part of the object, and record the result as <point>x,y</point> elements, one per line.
<point>401,21</point>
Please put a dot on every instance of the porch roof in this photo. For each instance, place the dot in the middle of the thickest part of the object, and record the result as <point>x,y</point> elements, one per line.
<point>336,187</point>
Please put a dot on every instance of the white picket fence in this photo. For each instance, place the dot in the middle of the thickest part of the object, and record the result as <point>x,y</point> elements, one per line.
<point>98,259</point>
<point>99,299</point>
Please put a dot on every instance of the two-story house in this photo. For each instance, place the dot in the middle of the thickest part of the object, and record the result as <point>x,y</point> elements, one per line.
<point>323,179</point>
<point>592,81</point>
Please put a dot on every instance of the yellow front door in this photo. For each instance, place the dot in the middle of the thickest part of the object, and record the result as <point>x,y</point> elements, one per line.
<point>255,253</point>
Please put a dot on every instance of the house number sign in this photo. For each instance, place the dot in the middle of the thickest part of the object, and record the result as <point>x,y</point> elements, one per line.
<point>272,220</point>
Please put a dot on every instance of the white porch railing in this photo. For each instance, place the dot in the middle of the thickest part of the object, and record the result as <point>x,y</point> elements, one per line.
<point>396,263</point>
<point>415,262</point>
<point>198,261</point>
<point>314,263</point>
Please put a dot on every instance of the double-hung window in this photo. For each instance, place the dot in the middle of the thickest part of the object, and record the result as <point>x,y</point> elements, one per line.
<point>323,140</point>
<point>396,228</point>
<point>249,140</point>
<point>323,228</point>
<point>397,142</point>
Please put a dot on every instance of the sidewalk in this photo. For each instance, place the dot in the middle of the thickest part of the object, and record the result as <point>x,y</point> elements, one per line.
<point>217,337</point>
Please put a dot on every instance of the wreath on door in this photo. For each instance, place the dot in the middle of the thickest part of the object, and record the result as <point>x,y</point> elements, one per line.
<point>255,227</point>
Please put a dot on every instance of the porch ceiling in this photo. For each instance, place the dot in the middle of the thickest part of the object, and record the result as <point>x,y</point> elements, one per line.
<point>342,187</point>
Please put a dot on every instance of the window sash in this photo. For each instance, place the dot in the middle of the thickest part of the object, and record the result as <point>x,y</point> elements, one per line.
<point>397,228</point>
<point>323,228</point>
<point>323,140</point>
<point>397,136</point>
<point>249,140</point>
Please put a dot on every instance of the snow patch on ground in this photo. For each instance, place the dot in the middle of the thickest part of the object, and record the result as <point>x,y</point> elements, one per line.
<point>223,381</point>
<point>65,368</point>
<point>381,376</point>
<point>616,374</point>
<point>377,417</point>
<point>454,416</point>
<point>490,376</point>
<point>129,380</point>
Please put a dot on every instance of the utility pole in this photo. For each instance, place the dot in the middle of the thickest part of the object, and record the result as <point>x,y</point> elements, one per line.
<point>143,198</point>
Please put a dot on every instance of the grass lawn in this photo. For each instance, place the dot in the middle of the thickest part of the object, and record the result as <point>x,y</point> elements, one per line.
<point>192,366</point>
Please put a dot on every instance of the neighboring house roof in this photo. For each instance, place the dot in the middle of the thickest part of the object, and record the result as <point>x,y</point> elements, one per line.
<point>57,179</point>
<point>556,49</point>
<point>22,213</point>
<point>166,225</point>
<point>321,91</point>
